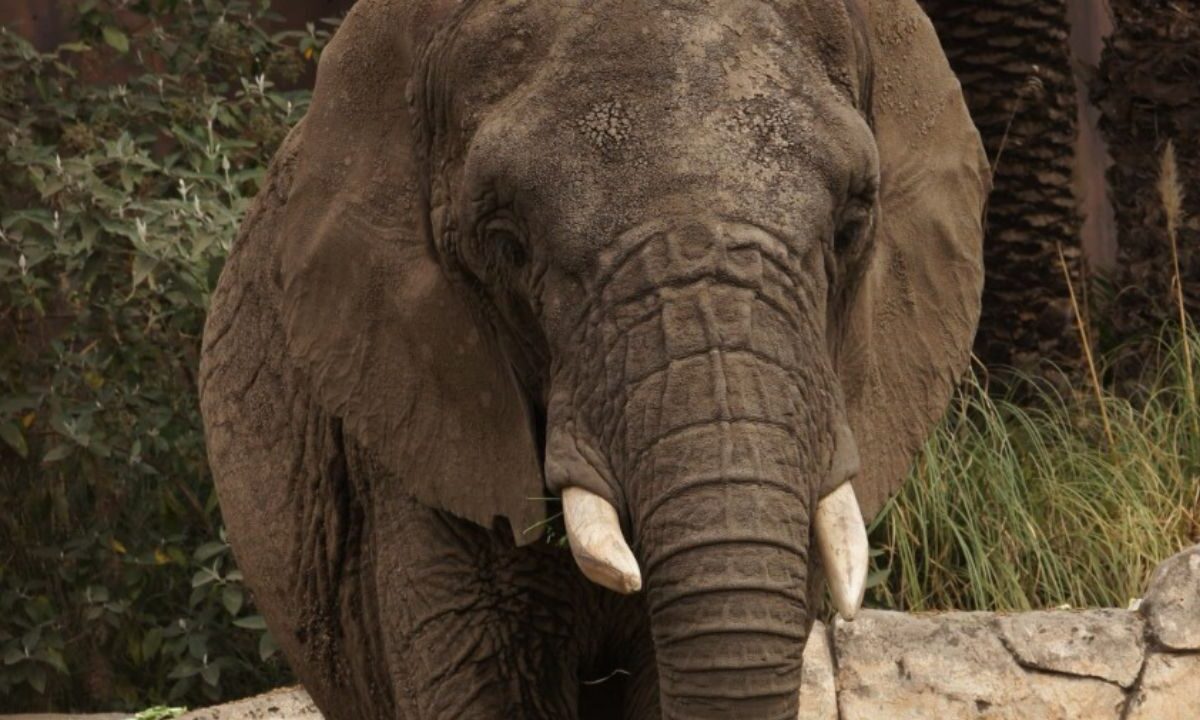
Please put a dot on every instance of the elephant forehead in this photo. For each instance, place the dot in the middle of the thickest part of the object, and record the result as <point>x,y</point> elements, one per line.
<point>606,66</point>
<point>613,111</point>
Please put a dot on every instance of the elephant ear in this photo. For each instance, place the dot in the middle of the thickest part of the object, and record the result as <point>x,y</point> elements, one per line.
<point>371,320</point>
<point>914,314</point>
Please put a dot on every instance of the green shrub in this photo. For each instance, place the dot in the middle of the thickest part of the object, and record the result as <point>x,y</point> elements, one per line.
<point>118,203</point>
<point>1017,507</point>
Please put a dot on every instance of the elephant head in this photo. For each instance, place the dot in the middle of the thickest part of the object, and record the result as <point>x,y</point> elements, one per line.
<point>706,270</point>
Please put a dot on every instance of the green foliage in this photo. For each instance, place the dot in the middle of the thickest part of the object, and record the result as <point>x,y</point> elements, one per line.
<point>1025,507</point>
<point>118,203</point>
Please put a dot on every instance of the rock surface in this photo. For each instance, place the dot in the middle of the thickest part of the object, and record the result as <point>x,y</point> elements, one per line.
<point>953,665</point>
<point>818,691</point>
<point>282,704</point>
<point>1172,604</point>
<point>1170,689</point>
<point>1105,644</point>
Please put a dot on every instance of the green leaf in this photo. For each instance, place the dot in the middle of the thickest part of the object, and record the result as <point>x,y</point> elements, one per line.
<point>13,655</point>
<point>208,550</point>
<point>151,642</point>
<point>877,577</point>
<point>267,647</point>
<point>12,435</point>
<point>251,622</point>
<point>36,676</point>
<point>143,268</point>
<point>198,645</point>
<point>58,452</point>
<point>116,38</point>
<point>203,577</point>
<point>53,658</point>
<point>32,638</point>
<point>185,669</point>
<point>179,689</point>
<point>17,402</point>
<point>211,674</point>
<point>232,597</point>
<point>96,594</point>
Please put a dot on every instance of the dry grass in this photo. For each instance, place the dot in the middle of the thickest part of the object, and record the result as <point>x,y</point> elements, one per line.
<point>1065,500</point>
<point>1012,508</point>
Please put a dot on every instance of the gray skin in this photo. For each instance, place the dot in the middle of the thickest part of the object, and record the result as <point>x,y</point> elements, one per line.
<point>707,260</point>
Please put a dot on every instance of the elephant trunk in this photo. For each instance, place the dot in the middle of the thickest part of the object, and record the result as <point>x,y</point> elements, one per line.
<point>727,441</point>
<point>719,439</point>
<point>724,552</point>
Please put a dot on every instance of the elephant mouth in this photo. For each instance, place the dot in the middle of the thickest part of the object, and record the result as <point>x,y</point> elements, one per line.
<point>604,557</point>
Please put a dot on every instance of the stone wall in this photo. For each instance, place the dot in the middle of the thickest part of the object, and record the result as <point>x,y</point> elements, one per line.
<point>1136,664</point>
<point>1139,664</point>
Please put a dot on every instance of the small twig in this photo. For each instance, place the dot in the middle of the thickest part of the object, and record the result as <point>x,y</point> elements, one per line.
<point>1033,85</point>
<point>606,678</point>
<point>1171,192</point>
<point>1087,349</point>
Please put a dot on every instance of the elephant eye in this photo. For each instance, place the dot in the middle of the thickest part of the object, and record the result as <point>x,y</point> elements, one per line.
<point>853,228</point>
<point>855,222</point>
<point>503,238</point>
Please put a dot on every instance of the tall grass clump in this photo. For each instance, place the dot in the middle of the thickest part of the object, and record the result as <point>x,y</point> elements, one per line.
<point>1017,507</point>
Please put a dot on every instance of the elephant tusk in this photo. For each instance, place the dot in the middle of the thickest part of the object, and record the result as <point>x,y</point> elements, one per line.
<point>597,543</point>
<point>842,541</point>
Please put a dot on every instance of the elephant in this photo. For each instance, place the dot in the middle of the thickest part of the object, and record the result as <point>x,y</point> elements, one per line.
<point>568,346</point>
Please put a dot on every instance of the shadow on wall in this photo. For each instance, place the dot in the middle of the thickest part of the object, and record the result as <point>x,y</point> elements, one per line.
<point>47,23</point>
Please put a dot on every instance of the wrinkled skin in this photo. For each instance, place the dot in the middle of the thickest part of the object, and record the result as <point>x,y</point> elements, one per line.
<point>706,260</point>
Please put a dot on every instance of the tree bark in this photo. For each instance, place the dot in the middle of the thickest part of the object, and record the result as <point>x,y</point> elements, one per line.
<point>1014,62</point>
<point>1149,91</point>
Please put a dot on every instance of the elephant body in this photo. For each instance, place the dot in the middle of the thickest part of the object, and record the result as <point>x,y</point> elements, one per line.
<point>490,628</point>
<point>696,268</point>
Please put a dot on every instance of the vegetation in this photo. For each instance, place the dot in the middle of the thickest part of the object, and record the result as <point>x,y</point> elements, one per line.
<point>118,203</point>
<point>1018,507</point>
<point>1060,500</point>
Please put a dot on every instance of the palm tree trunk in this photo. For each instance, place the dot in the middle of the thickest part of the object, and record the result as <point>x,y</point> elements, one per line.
<point>1149,92</point>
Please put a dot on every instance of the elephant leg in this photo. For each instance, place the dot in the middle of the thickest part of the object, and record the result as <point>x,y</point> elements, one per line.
<point>476,628</point>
